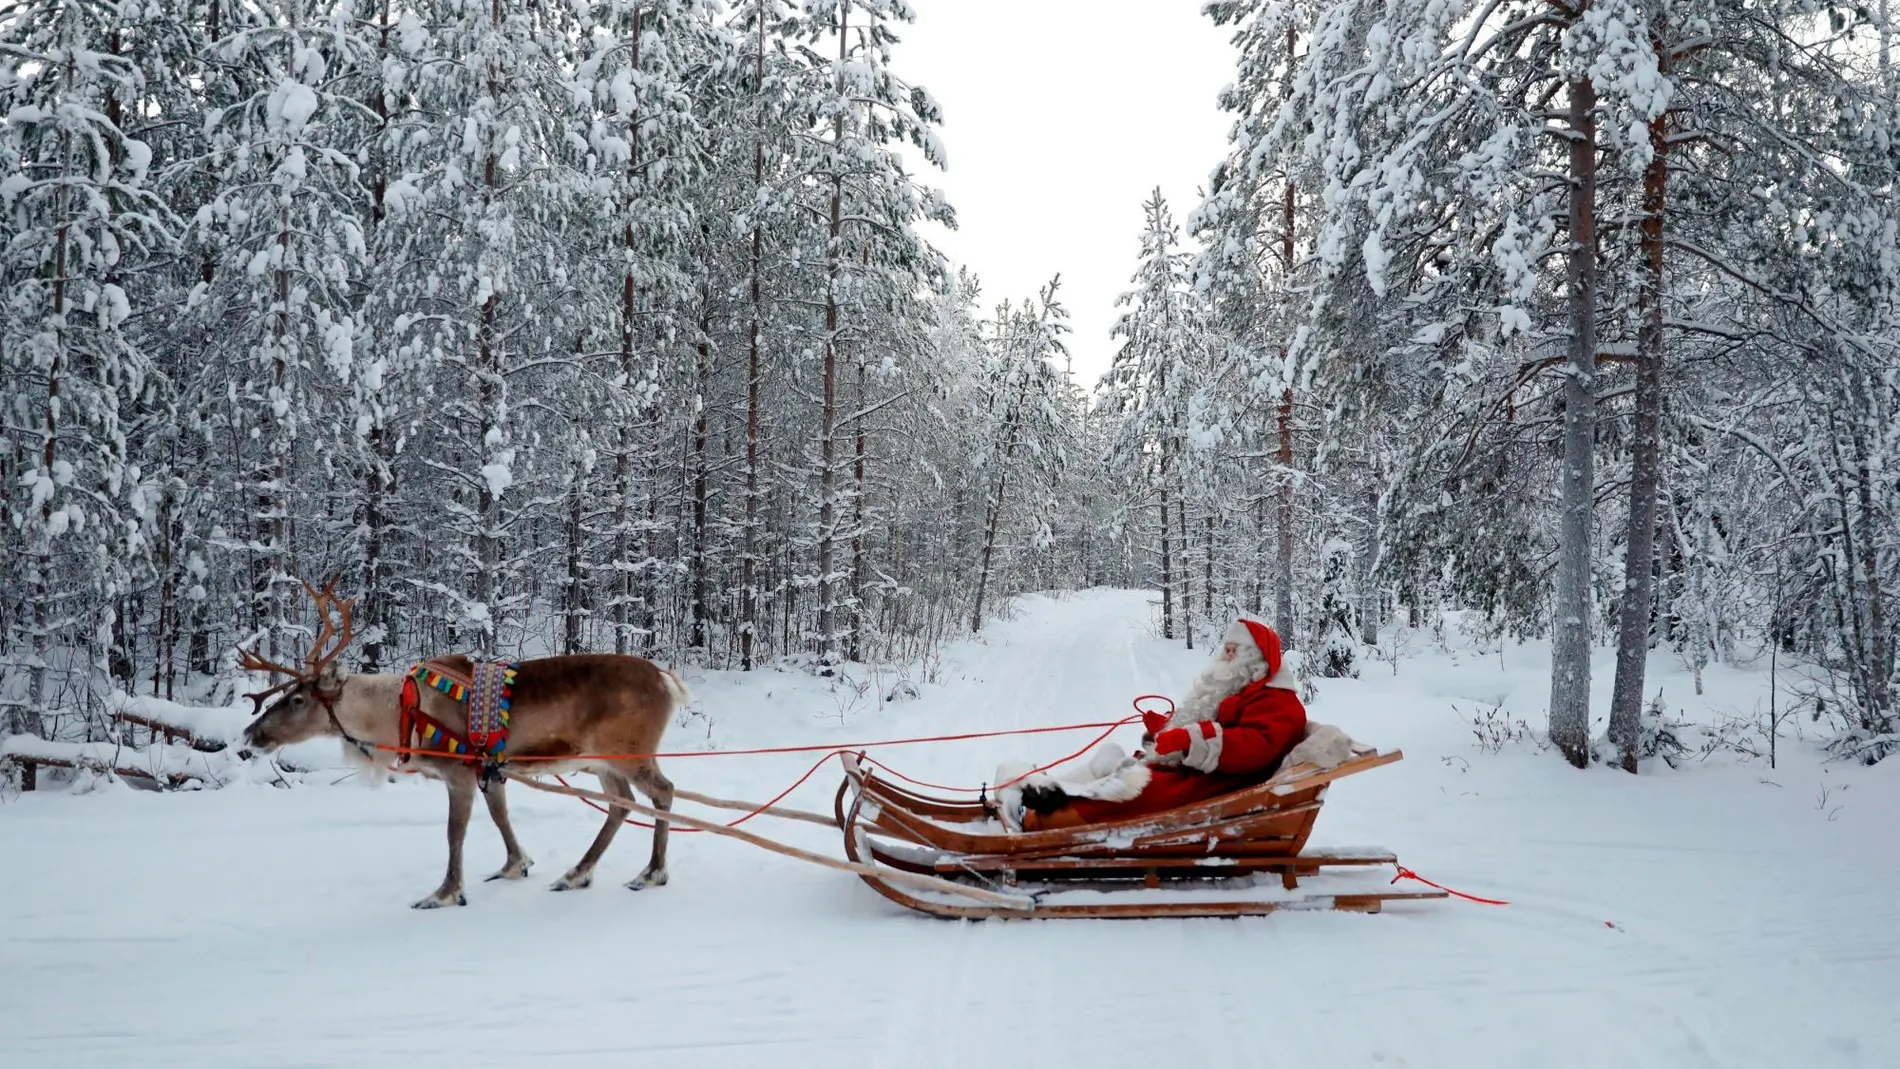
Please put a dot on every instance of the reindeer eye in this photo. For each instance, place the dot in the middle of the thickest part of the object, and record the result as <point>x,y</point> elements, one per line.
<point>298,700</point>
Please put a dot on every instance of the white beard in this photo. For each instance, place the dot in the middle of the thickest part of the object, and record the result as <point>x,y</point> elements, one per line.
<point>1219,681</point>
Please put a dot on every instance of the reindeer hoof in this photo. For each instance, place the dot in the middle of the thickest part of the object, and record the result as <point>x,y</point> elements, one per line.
<point>437,901</point>
<point>649,878</point>
<point>573,882</point>
<point>513,871</point>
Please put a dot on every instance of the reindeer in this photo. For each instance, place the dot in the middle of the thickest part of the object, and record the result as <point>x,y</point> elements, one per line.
<point>563,708</point>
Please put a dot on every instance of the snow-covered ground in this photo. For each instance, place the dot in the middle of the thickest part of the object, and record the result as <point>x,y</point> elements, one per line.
<point>1721,914</point>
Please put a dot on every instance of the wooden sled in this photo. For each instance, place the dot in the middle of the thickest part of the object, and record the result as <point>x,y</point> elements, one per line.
<point>1241,854</point>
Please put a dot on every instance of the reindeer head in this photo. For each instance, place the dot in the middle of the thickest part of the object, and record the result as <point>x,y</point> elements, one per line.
<point>304,711</point>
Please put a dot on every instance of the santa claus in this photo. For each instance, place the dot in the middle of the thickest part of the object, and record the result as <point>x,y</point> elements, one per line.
<point>1241,717</point>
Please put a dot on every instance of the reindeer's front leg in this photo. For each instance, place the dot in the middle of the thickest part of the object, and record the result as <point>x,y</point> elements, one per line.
<point>461,784</point>
<point>518,863</point>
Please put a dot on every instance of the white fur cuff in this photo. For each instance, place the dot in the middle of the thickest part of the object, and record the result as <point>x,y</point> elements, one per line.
<point>1203,754</point>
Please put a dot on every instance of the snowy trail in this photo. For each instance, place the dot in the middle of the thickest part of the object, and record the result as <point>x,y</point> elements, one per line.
<point>252,926</point>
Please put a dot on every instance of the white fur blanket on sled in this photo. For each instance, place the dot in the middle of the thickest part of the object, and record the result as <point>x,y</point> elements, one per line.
<point>1113,776</point>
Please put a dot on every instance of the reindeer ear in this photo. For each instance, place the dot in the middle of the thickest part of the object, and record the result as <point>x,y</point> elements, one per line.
<point>330,678</point>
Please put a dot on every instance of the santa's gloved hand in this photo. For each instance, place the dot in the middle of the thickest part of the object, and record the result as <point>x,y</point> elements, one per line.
<point>1153,723</point>
<point>1197,746</point>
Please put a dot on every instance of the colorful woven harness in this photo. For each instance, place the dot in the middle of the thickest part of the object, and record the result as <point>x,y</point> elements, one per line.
<point>486,695</point>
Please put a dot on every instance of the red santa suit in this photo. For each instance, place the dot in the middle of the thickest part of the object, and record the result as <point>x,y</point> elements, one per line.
<point>1234,744</point>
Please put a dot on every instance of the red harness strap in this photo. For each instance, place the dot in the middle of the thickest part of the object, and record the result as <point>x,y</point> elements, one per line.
<point>416,729</point>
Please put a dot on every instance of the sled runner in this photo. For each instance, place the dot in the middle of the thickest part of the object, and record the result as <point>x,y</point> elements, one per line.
<point>1240,854</point>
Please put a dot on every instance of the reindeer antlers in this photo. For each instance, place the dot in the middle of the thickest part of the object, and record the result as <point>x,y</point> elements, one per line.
<point>318,659</point>
<point>325,599</point>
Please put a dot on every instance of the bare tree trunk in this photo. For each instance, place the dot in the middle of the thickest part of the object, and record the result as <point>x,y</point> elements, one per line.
<point>1632,640</point>
<point>1570,644</point>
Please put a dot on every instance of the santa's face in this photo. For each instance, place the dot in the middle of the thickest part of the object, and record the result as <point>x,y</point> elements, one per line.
<point>1230,651</point>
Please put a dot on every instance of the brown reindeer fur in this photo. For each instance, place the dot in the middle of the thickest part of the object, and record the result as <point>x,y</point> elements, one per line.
<point>562,707</point>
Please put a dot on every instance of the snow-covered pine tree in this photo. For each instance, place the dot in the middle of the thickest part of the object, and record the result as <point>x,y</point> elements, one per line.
<point>285,245</point>
<point>1024,436</point>
<point>79,214</point>
<point>1150,380</point>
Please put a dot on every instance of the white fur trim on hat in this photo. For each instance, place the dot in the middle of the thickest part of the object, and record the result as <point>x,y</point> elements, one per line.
<point>1288,677</point>
<point>1237,634</point>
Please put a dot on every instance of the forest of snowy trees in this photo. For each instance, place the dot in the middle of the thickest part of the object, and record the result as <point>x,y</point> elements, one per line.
<point>1576,313</point>
<point>609,325</point>
<point>543,327</point>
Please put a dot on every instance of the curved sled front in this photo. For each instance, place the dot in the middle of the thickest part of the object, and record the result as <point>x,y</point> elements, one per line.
<point>1183,862</point>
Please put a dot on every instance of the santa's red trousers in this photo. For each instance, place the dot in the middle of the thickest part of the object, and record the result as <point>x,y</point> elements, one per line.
<point>1170,787</point>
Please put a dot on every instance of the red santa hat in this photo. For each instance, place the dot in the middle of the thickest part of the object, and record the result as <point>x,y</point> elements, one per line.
<point>1243,631</point>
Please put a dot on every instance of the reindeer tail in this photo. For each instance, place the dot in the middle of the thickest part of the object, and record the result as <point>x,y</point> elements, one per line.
<point>676,687</point>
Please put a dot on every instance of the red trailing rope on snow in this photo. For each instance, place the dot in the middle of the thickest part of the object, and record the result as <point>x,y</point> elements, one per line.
<point>1408,874</point>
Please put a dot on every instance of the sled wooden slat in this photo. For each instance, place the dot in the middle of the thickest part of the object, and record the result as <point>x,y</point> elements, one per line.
<point>1003,900</point>
<point>1161,864</point>
<point>1214,867</point>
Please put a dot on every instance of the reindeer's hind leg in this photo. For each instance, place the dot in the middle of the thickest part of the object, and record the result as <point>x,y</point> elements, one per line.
<point>461,785</point>
<point>582,874</point>
<point>518,863</point>
<point>657,787</point>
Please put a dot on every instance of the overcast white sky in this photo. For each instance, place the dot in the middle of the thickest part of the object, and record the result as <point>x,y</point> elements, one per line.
<point>1059,117</point>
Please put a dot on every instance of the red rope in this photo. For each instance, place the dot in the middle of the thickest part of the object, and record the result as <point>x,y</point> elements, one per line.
<point>828,747</point>
<point>1010,783</point>
<point>1408,874</point>
<point>743,817</point>
<point>869,760</point>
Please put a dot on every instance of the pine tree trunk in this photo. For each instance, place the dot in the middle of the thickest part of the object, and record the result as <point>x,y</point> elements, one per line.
<point>1632,640</point>
<point>376,613</point>
<point>1207,564</point>
<point>1167,563</point>
<point>1570,644</point>
<point>698,637</point>
<point>573,640</point>
<point>1371,605</point>
<point>1187,584</point>
<point>623,457</point>
<point>854,651</point>
<point>375,522</point>
<point>749,578</point>
<point>487,586</point>
<point>1283,594</point>
<point>827,506</point>
<point>992,514</point>
<point>1283,581</point>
